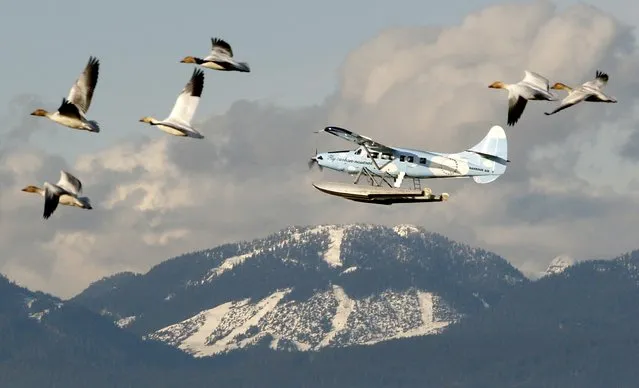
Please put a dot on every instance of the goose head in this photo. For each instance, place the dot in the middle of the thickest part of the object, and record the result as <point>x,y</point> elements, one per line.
<point>560,86</point>
<point>497,85</point>
<point>31,189</point>
<point>188,59</point>
<point>40,112</point>
<point>147,119</point>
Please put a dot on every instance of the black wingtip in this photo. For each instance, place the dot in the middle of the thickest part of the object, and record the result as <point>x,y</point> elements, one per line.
<point>197,83</point>
<point>243,67</point>
<point>48,210</point>
<point>218,42</point>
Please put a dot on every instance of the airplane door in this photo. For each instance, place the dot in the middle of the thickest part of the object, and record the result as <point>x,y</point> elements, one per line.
<point>411,165</point>
<point>388,164</point>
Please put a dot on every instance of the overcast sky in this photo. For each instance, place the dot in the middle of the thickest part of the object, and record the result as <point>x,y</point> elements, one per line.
<point>408,73</point>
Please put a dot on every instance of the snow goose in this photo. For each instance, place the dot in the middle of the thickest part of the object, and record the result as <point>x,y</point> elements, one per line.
<point>588,91</point>
<point>179,121</point>
<point>73,109</point>
<point>65,192</point>
<point>532,87</point>
<point>220,58</point>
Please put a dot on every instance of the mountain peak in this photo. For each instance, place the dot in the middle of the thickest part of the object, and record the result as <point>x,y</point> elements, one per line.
<point>559,264</point>
<point>308,287</point>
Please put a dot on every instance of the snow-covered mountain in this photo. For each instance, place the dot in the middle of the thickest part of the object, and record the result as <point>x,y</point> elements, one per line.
<point>393,283</point>
<point>559,265</point>
<point>306,288</point>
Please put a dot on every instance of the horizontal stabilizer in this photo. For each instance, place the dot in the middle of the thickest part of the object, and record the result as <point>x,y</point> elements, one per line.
<point>491,157</point>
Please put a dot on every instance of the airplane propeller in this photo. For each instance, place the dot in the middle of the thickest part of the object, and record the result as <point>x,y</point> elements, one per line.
<point>313,160</point>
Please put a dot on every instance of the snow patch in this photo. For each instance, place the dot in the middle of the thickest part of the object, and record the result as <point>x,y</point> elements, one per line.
<point>340,319</point>
<point>349,270</point>
<point>229,264</point>
<point>217,330</point>
<point>126,321</point>
<point>482,300</point>
<point>405,230</point>
<point>328,319</point>
<point>428,323</point>
<point>39,315</point>
<point>334,251</point>
<point>196,342</point>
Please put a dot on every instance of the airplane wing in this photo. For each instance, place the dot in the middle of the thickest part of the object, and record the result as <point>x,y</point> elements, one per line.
<point>358,139</point>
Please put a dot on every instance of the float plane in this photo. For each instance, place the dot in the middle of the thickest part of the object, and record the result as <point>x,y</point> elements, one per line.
<point>386,167</point>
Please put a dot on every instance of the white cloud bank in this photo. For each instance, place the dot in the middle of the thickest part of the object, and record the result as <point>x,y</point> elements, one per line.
<point>571,188</point>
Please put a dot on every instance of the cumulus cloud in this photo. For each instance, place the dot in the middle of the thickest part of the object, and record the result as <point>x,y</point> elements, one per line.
<point>572,178</point>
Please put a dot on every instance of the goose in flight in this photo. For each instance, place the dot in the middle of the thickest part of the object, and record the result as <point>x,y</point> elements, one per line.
<point>179,121</point>
<point>532,87</point>
<point>72,111</point>
<point>220,58</point>
<point>65,192</point>
<point>588,91</point>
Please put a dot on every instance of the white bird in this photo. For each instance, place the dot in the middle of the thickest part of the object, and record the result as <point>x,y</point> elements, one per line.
<point>220,58</point>
<point>65,192</point>
<point>532,87</point>
<point>588,91</point>
<point>72,111</point>
<point>179,121</point>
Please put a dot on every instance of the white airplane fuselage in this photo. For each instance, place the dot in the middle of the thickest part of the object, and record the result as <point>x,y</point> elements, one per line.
<point>414,163</point>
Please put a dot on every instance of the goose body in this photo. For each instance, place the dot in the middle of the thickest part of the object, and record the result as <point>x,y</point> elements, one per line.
<point>532,87</point>
<point>65,192</point>
<point>588,91</point>
<point>72,111</point>
<point>220,58</point>
<point>179,121</point>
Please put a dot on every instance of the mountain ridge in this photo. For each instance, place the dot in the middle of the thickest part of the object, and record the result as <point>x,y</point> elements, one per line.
<point>384,283</point>
<point>575,328</point>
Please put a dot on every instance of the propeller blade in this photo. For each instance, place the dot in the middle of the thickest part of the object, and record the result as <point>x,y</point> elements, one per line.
<point>313,160</point>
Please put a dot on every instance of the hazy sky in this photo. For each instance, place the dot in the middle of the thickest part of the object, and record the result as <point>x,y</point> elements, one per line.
<point>294,47</point>
<point>418,67</point>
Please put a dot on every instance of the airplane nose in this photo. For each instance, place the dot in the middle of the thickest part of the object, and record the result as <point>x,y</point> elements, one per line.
<point>314,160</point>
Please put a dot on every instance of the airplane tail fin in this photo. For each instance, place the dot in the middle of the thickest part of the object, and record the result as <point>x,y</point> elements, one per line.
<point>493,154</point>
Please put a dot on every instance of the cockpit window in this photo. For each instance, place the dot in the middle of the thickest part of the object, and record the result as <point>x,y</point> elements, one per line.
<point>359,151</point>
<point>409,159</point>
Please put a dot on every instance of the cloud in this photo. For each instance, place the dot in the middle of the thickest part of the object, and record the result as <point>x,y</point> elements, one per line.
<point>572,178</point>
